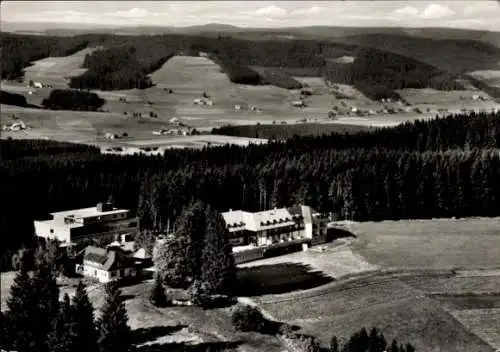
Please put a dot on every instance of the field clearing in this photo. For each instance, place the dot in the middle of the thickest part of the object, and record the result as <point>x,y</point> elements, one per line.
<point>55,70</point>
<point>431,244</point>
<point>334,261</point>
<point>455,285</point>
<point>485,323</point>
<point>490,77</point>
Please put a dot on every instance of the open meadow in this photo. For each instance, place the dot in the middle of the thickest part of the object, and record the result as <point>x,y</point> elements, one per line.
<point>435,283</point>
<point>182,80</point>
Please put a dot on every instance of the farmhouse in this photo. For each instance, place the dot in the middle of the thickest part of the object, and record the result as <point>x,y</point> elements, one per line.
<point>71,226</point>
<point>106,264</point>
<point>298,103</point>
<point>252,234</point>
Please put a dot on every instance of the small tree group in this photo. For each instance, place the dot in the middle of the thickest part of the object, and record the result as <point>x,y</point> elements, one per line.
<point>37,321</point>
<point>361,341</point>
<point>248,318</point>
<point>199,251</point>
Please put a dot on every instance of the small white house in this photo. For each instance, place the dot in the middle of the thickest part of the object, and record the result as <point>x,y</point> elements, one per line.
<point>209,102</point>
<point>237,107</point>
<point>37,85</point>
<point>298,103</point>
<point>106,264</point>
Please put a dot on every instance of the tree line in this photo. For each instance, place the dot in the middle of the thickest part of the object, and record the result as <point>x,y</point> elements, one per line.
<point>438,168</point>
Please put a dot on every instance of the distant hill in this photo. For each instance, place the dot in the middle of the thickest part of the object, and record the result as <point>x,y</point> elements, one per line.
<point>317,32</point>
<point>451,55</point>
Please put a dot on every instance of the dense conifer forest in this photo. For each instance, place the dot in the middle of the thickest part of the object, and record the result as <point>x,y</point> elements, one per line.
<point>284,131</point>
<point>124,62</point>
<point>65,99</point>
<point>427,169</point>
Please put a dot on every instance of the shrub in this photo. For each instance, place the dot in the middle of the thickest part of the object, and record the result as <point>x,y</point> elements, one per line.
<point>198,292</point>
<point>158,297</point>
<point>248,318</point>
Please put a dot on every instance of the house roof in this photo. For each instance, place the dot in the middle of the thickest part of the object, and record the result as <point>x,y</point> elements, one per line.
<point>268,219</point>
<point>107,259</point>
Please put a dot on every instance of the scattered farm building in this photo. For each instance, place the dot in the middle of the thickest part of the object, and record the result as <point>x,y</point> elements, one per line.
<point>106,265</point>
<point>72,226</point>
<point>37,85</point>
<point>252,234</point>
<point>298,103</point>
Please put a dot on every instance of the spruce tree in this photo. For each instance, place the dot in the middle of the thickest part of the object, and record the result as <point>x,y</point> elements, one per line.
<point>47,298</point>
<point>394,346</point>
<point>85,333</point>
<point>218,268</point>
<point>22,308</point>
<point>157,296</point>
<point>410,348</point>
<point>113,330</point>
<point>334,344</point>
<point>61,338</point>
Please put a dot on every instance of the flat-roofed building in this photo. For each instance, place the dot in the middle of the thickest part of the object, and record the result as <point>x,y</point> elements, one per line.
<point>71,226</point>
<point>272,229</point>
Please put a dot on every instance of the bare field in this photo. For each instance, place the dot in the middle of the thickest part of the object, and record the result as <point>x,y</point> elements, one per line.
<point>334,261</point>
<point>485,323</point>
<point>432,244</point>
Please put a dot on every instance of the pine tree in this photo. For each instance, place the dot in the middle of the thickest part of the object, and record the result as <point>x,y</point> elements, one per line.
<point>113,330</point>
<point>218,268</point>
<point>334,345</point>
<point>410,348</point>
<point>21,310</point>
<point>157,296</point>
<point>172,260</point>
<point>84,325</point>
<point>47,296</point>
<point>394,346</point>
<point>61,338</point>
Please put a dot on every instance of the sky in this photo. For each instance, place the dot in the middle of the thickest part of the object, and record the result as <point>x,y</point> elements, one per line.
<point>483,14</point>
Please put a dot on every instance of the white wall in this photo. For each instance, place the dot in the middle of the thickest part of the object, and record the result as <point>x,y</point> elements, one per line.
<point>43,229</point>
<point>105,276</point>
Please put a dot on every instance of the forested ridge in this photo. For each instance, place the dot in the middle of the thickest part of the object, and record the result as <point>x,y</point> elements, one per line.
<point>18,51</point>
<point>126,61</point>
<point>439,168</point>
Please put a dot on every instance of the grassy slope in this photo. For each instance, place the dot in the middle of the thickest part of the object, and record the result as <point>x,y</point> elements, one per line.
<point>400,303</point>
<point>470,243</point>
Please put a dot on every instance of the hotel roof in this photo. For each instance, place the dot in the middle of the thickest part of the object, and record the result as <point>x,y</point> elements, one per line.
<point>88,212</point>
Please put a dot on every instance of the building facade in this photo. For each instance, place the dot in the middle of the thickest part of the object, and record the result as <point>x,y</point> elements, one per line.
<point>72,226</point>
<point>105,265</point>
<point>254,234</point>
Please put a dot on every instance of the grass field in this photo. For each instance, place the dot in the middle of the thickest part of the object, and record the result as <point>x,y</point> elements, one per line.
<point>428,282</point>
<point>432,244</point>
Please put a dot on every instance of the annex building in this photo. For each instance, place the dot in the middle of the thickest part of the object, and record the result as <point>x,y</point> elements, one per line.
<point>102,220</point>
<point>254,234</point>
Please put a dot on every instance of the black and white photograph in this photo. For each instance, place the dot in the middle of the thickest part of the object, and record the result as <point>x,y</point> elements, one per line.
<point>250,176</point>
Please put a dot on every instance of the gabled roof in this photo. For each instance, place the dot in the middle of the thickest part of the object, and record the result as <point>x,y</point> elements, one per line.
<point>107,259</point>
